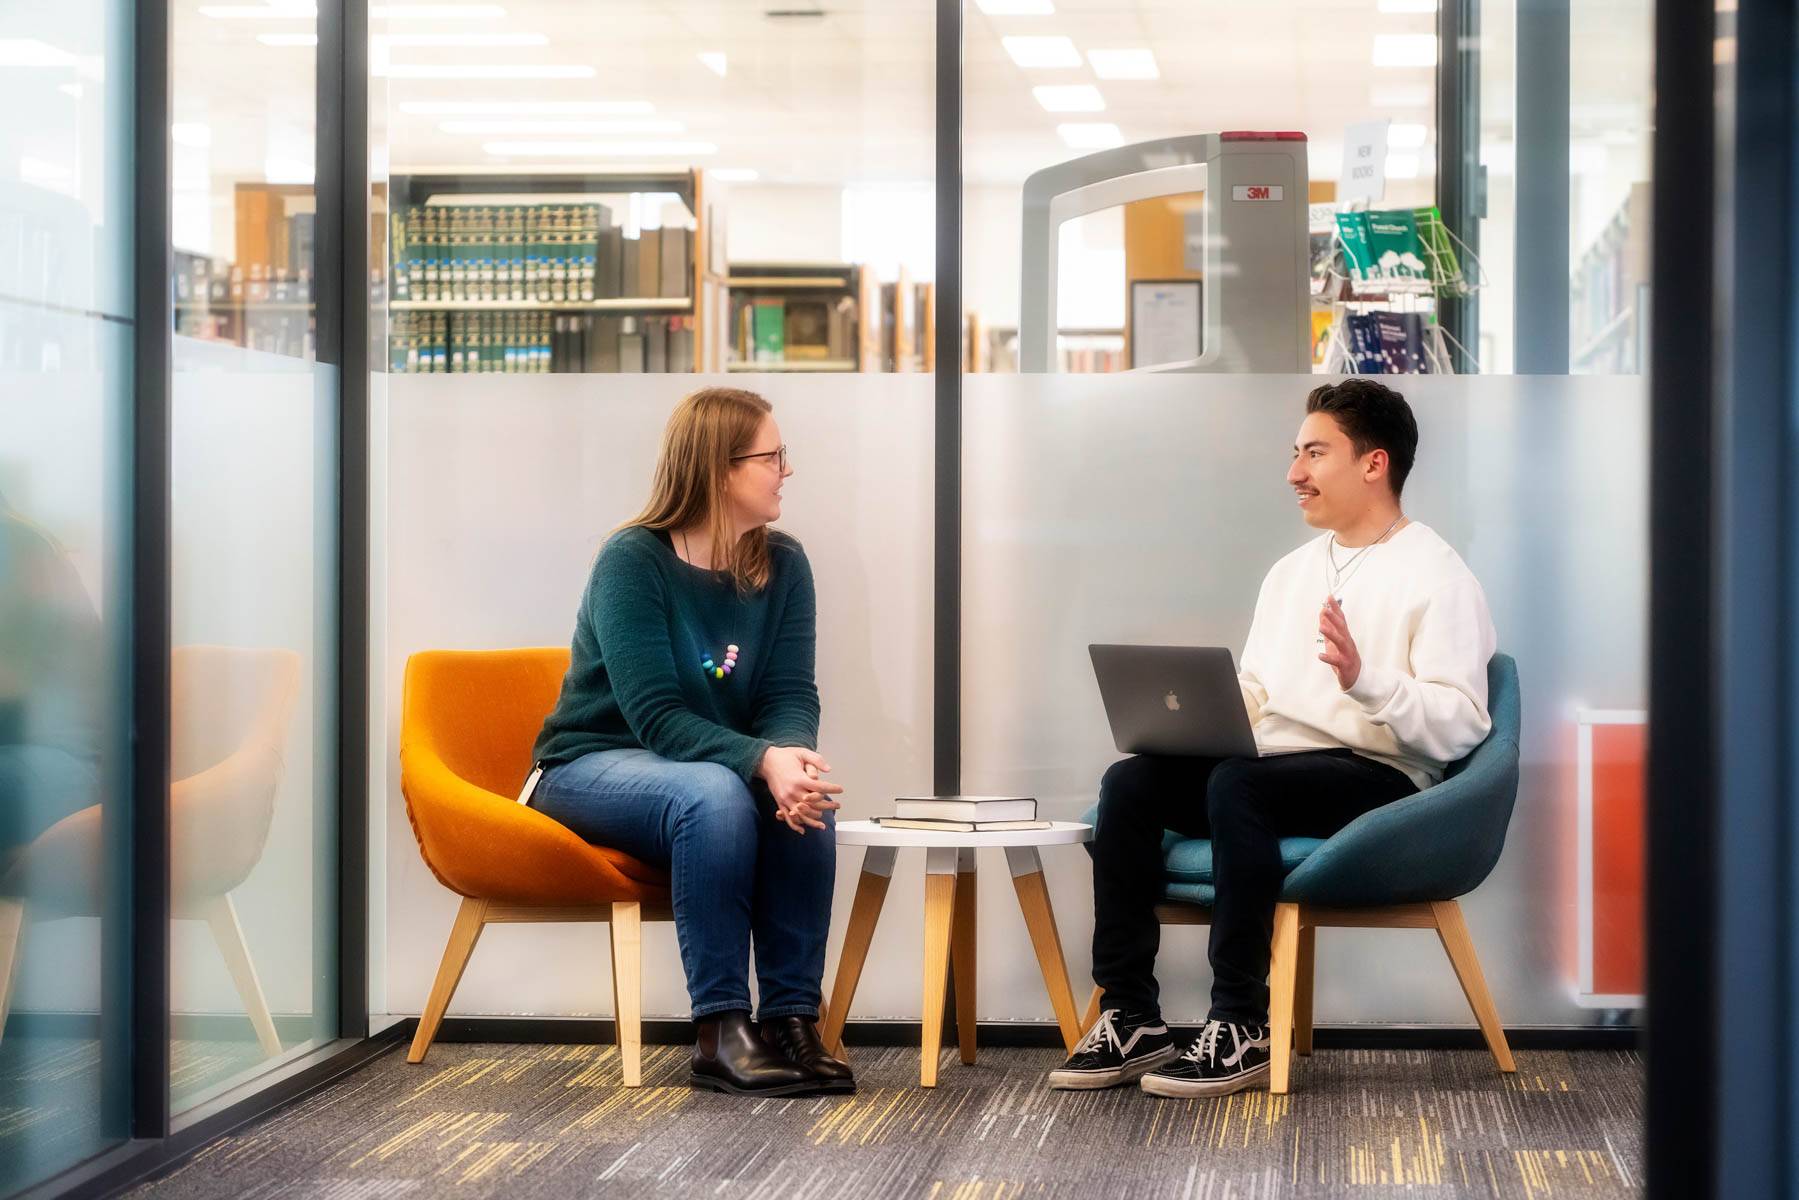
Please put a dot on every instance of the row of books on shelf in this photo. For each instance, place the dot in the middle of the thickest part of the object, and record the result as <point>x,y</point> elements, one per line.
<point>1400,250</point>
<point>1390,343</point>
<point>215,283</point>
<point>530,343</point>
<point>290,332</point>
<point>1603,287</point>
<point>773,329</point>
<point>964,814</point>
<point>544,253</point>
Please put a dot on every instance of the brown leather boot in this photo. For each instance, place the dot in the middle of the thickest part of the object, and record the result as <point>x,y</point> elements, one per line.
<point>797,1038</point>
<point>728,1056</point>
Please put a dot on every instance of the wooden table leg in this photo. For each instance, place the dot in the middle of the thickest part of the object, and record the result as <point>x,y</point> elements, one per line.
<point>1302,989</point>
<point>1283,966</point>
<point>1040,919</point>
<point>962,952</point>
<point>871,892</point>
<point>939,915</point>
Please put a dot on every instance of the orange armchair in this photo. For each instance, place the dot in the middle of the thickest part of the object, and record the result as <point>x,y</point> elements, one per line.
<point>468,722</point>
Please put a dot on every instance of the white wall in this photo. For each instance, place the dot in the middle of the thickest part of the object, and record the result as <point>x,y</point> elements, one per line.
<point>776,223</point>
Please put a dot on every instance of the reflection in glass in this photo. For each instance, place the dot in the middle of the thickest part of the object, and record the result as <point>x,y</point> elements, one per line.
<point>66,123</point>
<point>253,548</point>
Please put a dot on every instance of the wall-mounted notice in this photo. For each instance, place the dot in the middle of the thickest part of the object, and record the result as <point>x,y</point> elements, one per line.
<point>1165,317</point>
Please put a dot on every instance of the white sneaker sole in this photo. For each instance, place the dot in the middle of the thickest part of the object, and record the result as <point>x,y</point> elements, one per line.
<point>1178,1089</point>
<point>1087,1081</point>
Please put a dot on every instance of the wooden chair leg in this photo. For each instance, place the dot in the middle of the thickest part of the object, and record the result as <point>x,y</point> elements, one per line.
<point>824,1016</point>
<point>1302,991</point>
<point>1283,967</point>
<point>962,955</point>
<point>463,935</point>
<point>1093,1009</point>
<point>221,917</point>
<point>865,913</point>
<point>1459,945</point>
<point>939,917</point>
<point>12,941</point>
<point>1040,919</point>
<point>627,988</point>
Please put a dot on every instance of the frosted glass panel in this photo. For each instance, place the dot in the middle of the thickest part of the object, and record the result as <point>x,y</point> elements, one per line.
<point>65,419</point>
<point>1148,508</point>
<point>500,491</point>
<point>253,626</point>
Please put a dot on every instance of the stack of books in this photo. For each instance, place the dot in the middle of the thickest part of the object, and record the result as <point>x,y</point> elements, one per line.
<point>964,814</point>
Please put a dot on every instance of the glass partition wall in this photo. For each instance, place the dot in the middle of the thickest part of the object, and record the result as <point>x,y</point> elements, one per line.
<point>67,324</point>
<point>775,167</point>
<point>598,218</point>
<point>254,561</point>
<point>1105,231</point>
<point>758,198</point>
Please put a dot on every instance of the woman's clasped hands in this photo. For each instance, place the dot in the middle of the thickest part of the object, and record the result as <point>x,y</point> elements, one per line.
<point>795,778</point>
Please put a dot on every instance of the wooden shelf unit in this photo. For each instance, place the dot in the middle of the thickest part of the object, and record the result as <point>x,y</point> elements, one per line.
<point>509,186</point>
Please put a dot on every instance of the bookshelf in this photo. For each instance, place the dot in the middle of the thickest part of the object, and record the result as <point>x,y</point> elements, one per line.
<point>559,271</point>
<point>1609,293</point>
<point>795,316</point>
<point>261,297</point>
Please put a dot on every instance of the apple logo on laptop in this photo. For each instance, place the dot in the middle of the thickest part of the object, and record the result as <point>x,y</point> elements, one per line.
<point>1172,701</point>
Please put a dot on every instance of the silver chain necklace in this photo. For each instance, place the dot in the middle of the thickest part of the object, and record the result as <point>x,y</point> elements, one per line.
<point>1336,577</point>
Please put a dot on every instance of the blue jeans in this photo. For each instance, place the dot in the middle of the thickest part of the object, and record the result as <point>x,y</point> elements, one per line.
<point>736,870</point>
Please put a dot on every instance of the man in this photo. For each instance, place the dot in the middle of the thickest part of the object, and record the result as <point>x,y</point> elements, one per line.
<point>1365,674</point>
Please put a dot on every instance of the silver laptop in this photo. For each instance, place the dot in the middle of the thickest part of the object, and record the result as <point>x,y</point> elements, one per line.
<point>1173,700</point>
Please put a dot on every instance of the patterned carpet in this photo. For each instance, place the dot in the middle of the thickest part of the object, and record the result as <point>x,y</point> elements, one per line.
<point>551,1121</point>
<point>50,1096</point>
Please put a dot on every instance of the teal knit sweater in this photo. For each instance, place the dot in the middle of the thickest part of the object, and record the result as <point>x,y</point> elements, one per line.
<point>646,622</point>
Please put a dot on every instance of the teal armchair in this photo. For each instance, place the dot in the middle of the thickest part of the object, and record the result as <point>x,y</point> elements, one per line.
<point>1404,865</point>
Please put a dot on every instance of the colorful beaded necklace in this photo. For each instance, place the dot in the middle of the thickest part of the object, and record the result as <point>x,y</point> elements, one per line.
<point>719,672</point>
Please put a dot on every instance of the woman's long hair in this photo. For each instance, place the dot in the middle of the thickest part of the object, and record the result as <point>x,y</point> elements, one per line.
<point>706,430</point>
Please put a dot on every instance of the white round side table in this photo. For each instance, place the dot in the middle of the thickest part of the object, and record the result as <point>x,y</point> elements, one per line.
<point>949,924</point>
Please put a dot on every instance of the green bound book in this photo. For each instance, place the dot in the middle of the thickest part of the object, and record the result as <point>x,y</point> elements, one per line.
<point>1393,241</point>
<point>1352,231</point>
<point>768,336</point>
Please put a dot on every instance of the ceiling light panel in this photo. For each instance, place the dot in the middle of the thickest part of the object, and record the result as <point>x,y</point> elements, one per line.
<point>486,71</point>
<point>599,149</point>
<point>526,108</point>
<point>559,128</point>
<point>1124,64</point>
<point>1034,53</point>
<point>1069,98</point>
<point>1405,49</point>
<point>462,39</point>
<point>436,12</point>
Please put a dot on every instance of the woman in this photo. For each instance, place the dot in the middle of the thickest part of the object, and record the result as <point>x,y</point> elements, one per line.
<point>686,735</point>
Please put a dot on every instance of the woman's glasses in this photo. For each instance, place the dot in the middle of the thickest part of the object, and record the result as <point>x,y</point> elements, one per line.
<point>779,454</point>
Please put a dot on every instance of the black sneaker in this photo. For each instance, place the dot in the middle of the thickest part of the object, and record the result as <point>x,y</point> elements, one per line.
<point>1224,1058</point>
<point>1116,1050</point>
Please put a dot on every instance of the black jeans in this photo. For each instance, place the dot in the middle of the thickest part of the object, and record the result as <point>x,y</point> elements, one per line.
<point>1245,806</point>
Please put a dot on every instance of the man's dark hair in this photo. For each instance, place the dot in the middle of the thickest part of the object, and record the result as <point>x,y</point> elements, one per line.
<point>1373,417</point>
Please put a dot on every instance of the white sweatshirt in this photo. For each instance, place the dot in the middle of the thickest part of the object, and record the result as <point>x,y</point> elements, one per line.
<point>1420,622</point>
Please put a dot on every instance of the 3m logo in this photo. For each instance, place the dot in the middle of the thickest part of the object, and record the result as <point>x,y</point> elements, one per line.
<point>1257,191</point>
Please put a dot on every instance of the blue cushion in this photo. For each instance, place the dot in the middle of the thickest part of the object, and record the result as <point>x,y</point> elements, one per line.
<point>1189,860</point>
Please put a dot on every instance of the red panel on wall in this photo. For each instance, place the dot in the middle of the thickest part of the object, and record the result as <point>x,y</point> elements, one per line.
<point>1618,894</point>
